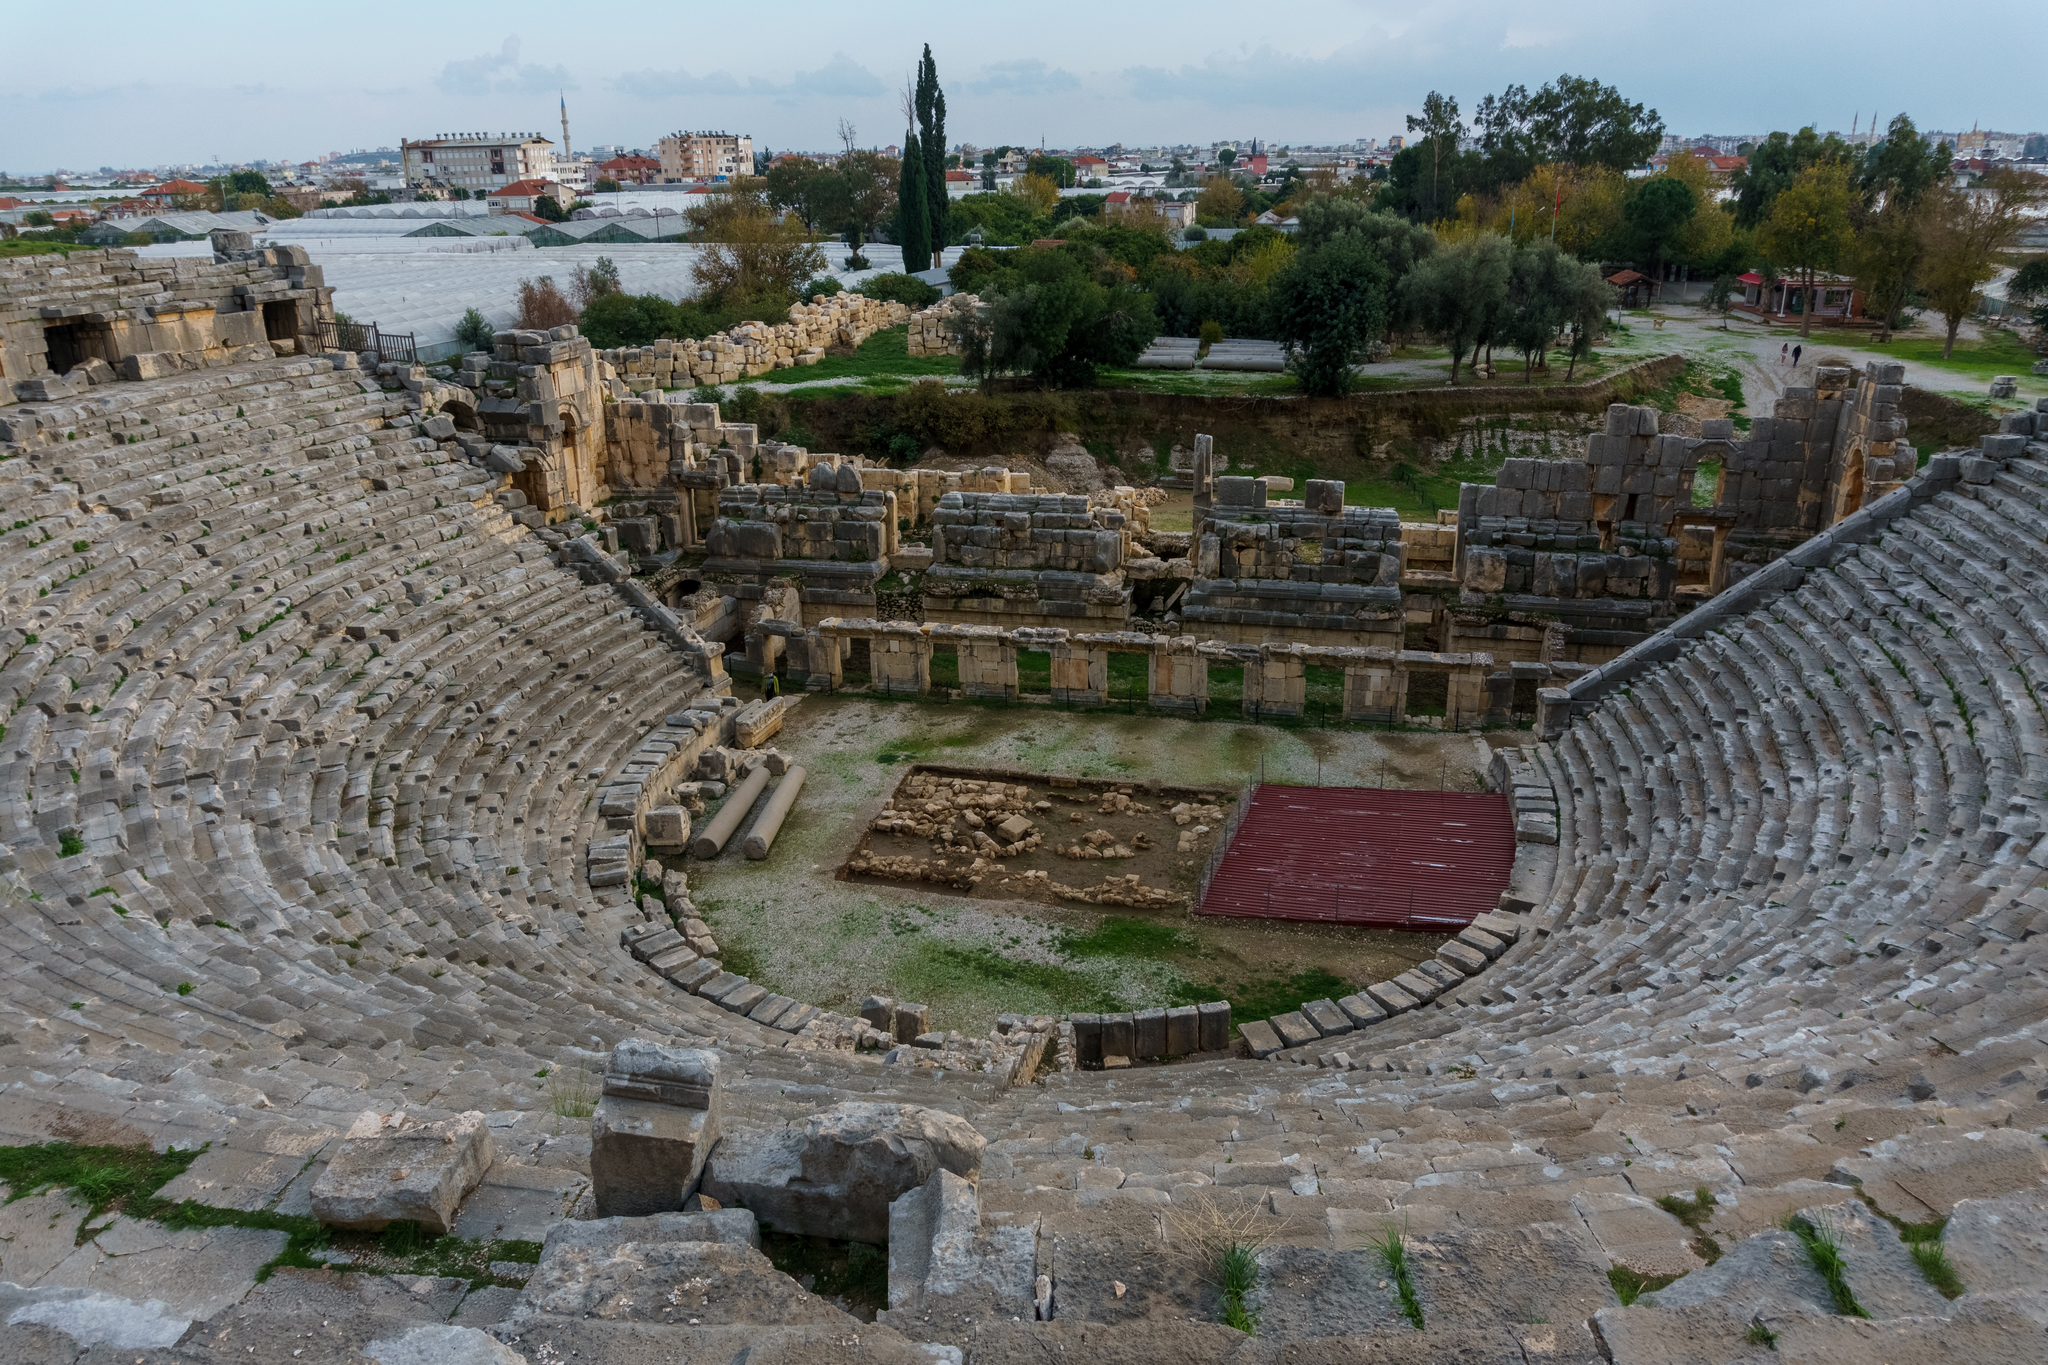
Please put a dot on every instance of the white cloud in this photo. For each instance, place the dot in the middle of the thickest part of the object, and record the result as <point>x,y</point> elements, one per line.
<point>840,78</point>
<point>502,74</point>
<point>1024,76</point>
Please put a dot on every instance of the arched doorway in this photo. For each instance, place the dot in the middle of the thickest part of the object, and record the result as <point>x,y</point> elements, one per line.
<point>463,415</point>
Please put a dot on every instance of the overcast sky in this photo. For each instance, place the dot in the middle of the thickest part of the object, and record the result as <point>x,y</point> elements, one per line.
<point>135,84</point>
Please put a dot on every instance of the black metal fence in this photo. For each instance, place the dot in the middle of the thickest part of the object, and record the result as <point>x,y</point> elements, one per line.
<point>397,347</point>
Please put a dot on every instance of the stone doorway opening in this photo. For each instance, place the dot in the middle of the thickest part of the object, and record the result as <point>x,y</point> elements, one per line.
<point>281,321</point>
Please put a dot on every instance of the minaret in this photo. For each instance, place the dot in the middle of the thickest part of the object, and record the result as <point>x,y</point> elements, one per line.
<point>566,156</point>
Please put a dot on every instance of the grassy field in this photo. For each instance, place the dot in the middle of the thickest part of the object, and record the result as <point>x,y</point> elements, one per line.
<point>2000,353</point>
<point>25,246</point>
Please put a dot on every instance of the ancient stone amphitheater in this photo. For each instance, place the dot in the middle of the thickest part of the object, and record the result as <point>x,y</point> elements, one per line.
<point>297,781</point>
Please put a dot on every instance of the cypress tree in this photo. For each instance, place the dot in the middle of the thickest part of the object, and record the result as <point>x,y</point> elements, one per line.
<point>931,121</point>
<point>913,219</point>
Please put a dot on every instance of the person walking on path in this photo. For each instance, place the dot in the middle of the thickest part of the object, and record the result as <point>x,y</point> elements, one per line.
<point>1785,353</point>
<point>1795,356</point>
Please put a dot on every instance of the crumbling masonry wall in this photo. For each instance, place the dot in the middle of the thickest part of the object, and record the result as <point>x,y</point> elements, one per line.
<point>91,317</point>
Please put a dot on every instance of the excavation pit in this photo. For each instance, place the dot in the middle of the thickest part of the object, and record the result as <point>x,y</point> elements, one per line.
<point>1001,835</point>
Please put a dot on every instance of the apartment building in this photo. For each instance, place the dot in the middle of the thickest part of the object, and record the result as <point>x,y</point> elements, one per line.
<point>478,161</point>
<point>687,156</point>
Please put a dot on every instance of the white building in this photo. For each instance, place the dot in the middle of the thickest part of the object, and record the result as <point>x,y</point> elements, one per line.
<point>480,162</point>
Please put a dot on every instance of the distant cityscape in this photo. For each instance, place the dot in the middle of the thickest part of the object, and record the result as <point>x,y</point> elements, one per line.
<point>482,162</point>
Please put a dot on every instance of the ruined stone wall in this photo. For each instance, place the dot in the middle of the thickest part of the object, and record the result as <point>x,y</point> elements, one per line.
<point>755,348</point>
<point>1026,531</point>
<point>932,330</point>
<point>542,395</point>
<point>107,315</point>
<point>1267,570</point>
<point>1244,534</point>
<point>830,518</point>
<point>1824,452</point>
<point>1019,559</point>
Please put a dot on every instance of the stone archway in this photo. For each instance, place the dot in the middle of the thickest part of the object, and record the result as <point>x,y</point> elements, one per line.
<point>463,415</point>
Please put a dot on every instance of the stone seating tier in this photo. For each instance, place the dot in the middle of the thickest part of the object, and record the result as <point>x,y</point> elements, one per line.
<point>310,726</point>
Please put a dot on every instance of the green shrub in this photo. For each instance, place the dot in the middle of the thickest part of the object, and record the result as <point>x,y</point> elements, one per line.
<point>954,418</point>
<point>897,287</point>
<point>824,284</point>
<point>475,331</point>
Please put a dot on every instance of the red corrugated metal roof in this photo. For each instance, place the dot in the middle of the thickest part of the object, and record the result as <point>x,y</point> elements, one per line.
<point>1365,856</point>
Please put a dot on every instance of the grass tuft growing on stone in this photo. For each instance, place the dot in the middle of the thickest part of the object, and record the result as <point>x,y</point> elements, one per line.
<point>1936,1268</point>
<point>1238,1273</point>
<point>1694,1213</point>
<point>1825,1254</point>
<point>1923,1240</point>
<point>107,1178</point>
<point>1630,1286</point>
<point>1392,1246</point>
<point>572,1094</point>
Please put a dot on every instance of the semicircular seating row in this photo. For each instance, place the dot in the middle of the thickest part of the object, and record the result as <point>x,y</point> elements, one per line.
<point>301,738</point>
<point>299,718</point>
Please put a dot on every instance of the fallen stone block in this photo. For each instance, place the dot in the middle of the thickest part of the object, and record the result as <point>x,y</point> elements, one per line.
<point>837,1174</point>
<point>654,1128</point>
<point>667,826</point>
<point>1261,1037</point>
<point>392,1168</point>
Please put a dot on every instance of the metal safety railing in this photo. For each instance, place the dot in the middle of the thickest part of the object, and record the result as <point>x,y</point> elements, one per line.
<point>396,347</point>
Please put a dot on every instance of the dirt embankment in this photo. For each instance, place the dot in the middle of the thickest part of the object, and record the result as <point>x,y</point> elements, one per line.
<point>1005,423</point>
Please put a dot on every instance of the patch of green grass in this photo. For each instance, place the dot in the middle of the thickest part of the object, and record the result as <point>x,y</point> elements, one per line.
<point>124,1180</point>
<point>934,970</point>
<point>2000,353</point>
<point>853,1271</point>
<point>1706,482</point>
<point>1824,1252</point>
<point>105,1177</point>
<point>1123,936</point>
<point>1197,381</point>
<point>1239,1274</point>
<point>1760,1335</point>
<point>1034,670</point>
<point>1629,1286</point>
<point>406,1248</point>
<point>1392,1246</point>
<point>30,246</point>
<point>886,353</point>
<point>1275,995</point>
